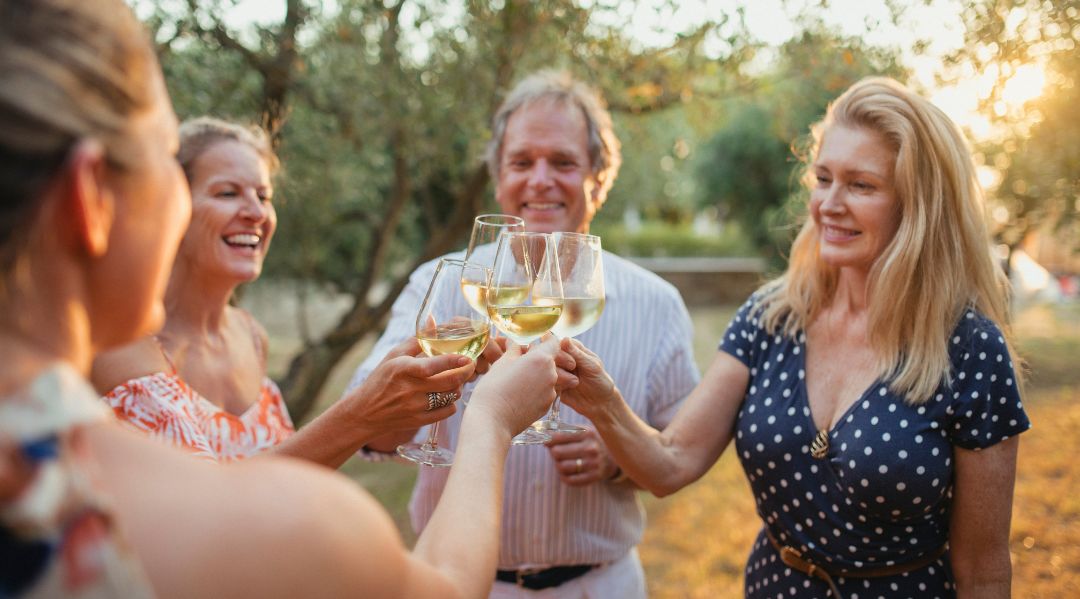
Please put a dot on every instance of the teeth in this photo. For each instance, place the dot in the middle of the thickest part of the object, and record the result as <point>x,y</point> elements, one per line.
<point>840,231</point>
<point>243,239</point>
<point>543,205</point>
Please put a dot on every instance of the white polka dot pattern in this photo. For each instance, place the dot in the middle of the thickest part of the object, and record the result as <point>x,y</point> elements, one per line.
<point>882,494</point>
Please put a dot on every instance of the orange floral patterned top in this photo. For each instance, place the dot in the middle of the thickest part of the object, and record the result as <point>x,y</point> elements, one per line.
<point>165,406</point>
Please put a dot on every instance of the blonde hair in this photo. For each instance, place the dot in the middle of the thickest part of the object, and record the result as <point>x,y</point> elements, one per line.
<point>939,262</point>
<point>69,70</point>
<point>605,154</point>
<point>199,134</point>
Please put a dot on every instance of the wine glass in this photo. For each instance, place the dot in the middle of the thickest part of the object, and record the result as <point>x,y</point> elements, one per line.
<point>524,298</point>
<point>446,325</point>
<point>581,267</point>
<point>482,246</point>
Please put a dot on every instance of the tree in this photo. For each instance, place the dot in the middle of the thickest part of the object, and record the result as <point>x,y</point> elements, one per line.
<point>380,111</point>
<point>749,169</point>
<point>1035,150</point>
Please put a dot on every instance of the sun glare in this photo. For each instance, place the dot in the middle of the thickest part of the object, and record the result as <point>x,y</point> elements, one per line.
<point>1026,84</point>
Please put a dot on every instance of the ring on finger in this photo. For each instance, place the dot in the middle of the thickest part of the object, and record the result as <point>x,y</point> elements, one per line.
<point>580,466</point>
<point>436,400</point>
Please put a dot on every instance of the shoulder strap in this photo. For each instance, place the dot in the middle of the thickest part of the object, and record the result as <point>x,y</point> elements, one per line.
<point>165,354</point>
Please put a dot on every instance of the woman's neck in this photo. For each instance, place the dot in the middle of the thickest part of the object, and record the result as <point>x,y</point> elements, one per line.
<point>35,335</point>
<point>195,304</point>
<point>851,294</point>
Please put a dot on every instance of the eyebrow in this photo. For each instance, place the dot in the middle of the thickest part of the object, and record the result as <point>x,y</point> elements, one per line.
<point>874,174</point>
<point>557,153</point>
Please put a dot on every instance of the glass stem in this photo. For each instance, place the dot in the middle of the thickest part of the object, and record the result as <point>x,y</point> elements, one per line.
<point>432,443</point>
<point>553,412</point>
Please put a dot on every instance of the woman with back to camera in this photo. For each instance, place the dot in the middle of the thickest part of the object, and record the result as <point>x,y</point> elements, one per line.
<point>94,206</point>
<point>201,383</point>
<point>870,390</point>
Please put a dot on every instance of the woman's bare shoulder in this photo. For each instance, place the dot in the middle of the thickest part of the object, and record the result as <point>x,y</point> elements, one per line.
<point>121,364</point>
<point>258,528</point>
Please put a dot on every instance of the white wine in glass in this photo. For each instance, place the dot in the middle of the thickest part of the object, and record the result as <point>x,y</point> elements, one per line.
<point>445,325</point>
<point>582,270</point>
<point>525,261</point>
<point>483,243</point>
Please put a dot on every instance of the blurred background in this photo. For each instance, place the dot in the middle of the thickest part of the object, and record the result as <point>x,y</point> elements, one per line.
<point>380,111</point>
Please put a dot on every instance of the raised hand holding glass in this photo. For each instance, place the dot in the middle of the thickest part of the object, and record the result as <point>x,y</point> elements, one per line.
<point>446,325</point>
<point>581,267</point>
<point>524,299</point>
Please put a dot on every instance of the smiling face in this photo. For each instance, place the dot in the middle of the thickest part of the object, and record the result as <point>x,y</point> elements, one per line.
<point>233,219</point>
<point>853,202</point>
<point>545,175</point>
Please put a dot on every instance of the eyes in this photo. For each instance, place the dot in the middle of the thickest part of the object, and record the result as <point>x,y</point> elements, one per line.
<point>229,192</point>
<point>560,163</point>
<point>858,184</point>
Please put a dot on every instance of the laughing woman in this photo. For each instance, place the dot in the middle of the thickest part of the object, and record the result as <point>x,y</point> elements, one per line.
<point>201,382</point>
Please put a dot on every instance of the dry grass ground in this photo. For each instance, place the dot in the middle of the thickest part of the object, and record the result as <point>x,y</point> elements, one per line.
<point>697,540</point>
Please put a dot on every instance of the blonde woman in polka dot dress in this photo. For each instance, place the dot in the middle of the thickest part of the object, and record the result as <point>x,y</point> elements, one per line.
<point>870,390</point>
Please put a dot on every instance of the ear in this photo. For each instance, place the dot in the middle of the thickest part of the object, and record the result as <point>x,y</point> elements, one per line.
<point>595,192</point>
<point>90,203</point>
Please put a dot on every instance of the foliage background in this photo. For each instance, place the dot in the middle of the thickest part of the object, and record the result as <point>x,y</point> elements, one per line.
<point>380,111</point>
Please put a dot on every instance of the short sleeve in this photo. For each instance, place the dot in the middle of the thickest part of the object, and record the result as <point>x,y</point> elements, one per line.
<point>986,408</point>
<point>742,332</point>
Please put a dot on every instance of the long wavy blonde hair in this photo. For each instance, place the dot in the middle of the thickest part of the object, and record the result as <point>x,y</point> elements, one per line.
<point>938,264</point>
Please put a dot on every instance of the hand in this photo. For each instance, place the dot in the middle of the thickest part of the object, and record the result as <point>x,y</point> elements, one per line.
<point>595,388</point>
<point>520,387</point>
<point>581,458</point>
<point>495,348</point>
<point>395,395</point>
<point>564,366</point>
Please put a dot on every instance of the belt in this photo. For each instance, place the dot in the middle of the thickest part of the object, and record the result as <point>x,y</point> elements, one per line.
<point>794,559</point>
<point>541,579</point>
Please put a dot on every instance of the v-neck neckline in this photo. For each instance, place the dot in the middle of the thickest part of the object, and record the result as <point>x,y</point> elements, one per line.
<point>805,392</point>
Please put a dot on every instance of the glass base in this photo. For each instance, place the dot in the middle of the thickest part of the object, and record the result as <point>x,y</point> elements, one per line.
<point>531,436</point>
<point>426,455</point>
<point>553,426</point>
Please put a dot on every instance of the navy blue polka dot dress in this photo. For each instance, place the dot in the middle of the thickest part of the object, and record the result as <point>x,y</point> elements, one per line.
<point>882,494</point>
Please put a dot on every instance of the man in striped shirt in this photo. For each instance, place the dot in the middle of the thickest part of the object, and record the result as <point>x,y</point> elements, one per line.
<point>571,522</point>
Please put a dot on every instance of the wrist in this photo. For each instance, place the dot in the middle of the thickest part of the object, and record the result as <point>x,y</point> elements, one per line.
<point>480,420</point>
<point>605,413</point>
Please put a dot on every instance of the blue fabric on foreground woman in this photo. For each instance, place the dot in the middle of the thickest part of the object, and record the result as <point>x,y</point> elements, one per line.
<point>882,494</point>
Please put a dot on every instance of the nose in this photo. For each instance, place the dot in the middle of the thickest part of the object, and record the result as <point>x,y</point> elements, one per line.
<point>833,201</point>
<point>253,208</point>
<point>540,175</point>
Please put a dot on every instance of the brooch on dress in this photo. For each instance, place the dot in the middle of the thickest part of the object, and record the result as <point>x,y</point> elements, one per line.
<point>820,447</point>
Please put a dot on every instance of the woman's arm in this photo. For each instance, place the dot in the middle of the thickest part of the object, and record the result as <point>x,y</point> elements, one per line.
<point>661,462</point>
<point>280,528</point>
<point>981,513</point>
<point>461,540</point>
<point>393,398</point>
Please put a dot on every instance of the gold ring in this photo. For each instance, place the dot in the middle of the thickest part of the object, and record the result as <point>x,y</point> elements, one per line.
<point>580,465</point>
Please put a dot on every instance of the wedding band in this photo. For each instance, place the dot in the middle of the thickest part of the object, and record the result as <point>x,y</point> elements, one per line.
<point>580,465</point>
<point>440,399</point>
